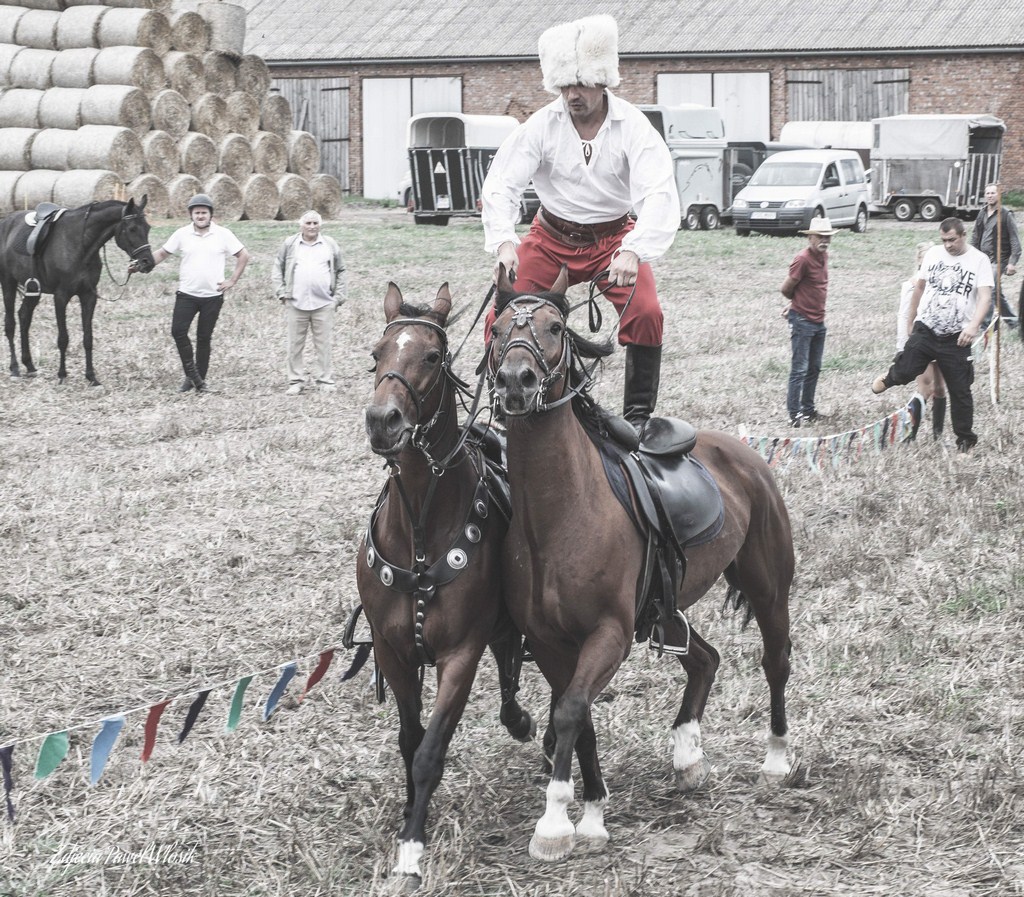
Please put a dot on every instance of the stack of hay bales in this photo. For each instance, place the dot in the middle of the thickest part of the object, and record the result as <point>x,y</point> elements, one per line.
<point>148,96</point>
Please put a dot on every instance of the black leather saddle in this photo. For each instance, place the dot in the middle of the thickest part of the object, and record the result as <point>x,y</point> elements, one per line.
<point>38,224</point>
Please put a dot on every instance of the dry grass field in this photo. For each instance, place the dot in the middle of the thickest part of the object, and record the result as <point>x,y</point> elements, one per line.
<point>154,544</point>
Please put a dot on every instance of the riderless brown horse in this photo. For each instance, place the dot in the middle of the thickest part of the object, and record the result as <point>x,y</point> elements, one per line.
<point>67,265</point>
<point>573,559</point>
<point>429,569</point>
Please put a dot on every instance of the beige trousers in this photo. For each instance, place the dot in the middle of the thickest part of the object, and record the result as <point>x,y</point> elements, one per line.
<point>319,325</point>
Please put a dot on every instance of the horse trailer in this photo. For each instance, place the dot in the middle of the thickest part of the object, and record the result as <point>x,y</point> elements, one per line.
<point>449,154</point>
<point>934,165</point>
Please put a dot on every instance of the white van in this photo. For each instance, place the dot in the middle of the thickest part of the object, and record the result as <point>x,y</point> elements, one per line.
<point>792,187</point>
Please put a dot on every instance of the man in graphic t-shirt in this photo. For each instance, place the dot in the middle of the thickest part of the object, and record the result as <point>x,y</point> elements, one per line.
<point>951,298</point>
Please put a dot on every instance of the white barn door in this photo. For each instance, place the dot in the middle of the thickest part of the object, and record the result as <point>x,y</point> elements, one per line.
<point>387,105</point>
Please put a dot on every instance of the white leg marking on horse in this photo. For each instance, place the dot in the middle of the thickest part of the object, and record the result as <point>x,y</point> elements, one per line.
<point>409,853</point>
<point>591,835</point>
<point>554,835</point>
<point>776,764</point>
<point>688,760</point>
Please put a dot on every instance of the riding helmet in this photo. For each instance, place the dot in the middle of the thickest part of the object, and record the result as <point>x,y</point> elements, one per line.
<point>200,199</point>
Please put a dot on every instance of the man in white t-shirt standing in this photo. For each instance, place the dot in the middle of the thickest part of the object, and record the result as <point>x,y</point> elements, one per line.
<point>205,248</point>
<point>950,300</point>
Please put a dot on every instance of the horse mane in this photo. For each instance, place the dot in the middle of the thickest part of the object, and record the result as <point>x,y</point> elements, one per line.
<point>410,310</point>
<point>585,348</point>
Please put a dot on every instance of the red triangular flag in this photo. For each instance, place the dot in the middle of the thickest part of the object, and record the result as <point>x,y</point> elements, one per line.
<point>152,721</point>
<point>325,661</point>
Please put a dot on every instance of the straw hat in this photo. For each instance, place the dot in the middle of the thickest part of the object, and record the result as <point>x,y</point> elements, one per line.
<point>582,52</point>
<point>820,227</point>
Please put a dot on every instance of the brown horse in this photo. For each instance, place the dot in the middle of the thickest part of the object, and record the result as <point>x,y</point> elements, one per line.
<point>573,556</point>
<point>429,569</point>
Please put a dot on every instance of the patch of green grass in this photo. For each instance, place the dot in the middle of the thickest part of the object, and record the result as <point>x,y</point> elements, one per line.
<point>977,598</point>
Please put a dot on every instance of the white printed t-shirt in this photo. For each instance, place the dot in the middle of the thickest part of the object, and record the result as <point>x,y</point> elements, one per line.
<point>951,288</point>
<point>203,258</point>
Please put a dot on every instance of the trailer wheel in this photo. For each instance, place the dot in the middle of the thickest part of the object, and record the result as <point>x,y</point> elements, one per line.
<point>439,220</point>
<point>904,209</point>
<point>930,209</point>
<point>691,221</point>
<point>709,218</point>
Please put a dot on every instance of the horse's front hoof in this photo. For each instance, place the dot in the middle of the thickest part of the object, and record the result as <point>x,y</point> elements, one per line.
<point>530,732</point>
<point>405,884</point>
<point>31,373</point>
<point>94,382</point>
<point>551,849</point>
<point>693,776</point>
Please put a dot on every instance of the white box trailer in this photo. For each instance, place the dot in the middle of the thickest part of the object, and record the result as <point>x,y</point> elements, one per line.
<point>696,139</point>
<point>934,165</point>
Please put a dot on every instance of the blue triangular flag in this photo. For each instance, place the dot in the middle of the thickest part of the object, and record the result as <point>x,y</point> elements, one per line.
<point>102,745</point>
<point>287,672</point>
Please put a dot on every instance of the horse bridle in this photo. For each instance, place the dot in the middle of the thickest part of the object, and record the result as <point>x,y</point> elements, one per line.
<point>524,308</point>
<point>133,254</point>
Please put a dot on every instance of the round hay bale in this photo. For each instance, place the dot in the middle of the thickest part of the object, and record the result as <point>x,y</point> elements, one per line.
<point>61,107</point>
<point>55,5</point>
<point>179,191</point>
<point>190,32</point>
<point>296,197</point>
<point>185,74</point>
<point>135,28</point>
<point>108,147</point>
<point>79,188</point>
<point>269,154</point>
<point>158,203</point>
<point>7,54</point>
<point>16,149</point>
<point>327,195</point>
<point>234,157</point>
<point>209,116</point>
<point>276,115</point>
<point>197,155</point>
<point>160,151</point>
<point>221,72</point>
<point>9,18</point>
<point>260,198</point>
<point>170,112</point>
<point>31,68</point>
<point>226,196</point>
<point>162,5</point>
<point>51,147</point>
<point>19,108</point>
<point>38,29</point>
<point>303,154</point>
<point>253,76</point>
<point>116,104</point>
<point>34,187</point>
<point>8,180</point>
<point>136,66</point>
<point>79,27</point>
<point>243,114</point>
<point>74,68</point>
<point>227,26</point>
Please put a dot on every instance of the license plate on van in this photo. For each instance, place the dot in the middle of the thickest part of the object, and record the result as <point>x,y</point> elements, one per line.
<point>763,216</point>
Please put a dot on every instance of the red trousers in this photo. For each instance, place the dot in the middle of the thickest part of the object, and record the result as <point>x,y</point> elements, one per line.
<point>541,256</point>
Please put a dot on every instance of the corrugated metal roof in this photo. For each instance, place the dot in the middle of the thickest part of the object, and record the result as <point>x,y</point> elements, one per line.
<point>352,30</point>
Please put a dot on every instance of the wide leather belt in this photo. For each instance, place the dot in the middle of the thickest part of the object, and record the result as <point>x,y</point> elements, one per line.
<point>576,234</point>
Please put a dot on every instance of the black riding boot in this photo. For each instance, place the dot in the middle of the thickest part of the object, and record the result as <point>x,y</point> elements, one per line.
<point>193,375</point>
<point>938,415</point>
<point>640,392</point>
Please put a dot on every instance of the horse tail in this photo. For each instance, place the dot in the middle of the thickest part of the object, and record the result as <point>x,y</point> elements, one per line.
<point>739,602</point>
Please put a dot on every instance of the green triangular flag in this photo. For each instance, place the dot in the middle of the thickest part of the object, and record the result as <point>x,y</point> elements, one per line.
<point>236,703</point>
<point>54,749</point>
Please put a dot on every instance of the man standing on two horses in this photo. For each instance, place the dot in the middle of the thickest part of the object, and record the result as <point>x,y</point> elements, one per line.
<point>592,157</point>
<point>205,247</point>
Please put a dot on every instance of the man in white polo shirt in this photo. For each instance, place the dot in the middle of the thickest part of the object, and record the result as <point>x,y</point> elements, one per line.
<point>205,248</point>
<point>308,277</point>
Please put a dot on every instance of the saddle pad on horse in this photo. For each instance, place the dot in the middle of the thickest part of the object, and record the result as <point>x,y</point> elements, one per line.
<point>30,238</point>
<point>677,483</point>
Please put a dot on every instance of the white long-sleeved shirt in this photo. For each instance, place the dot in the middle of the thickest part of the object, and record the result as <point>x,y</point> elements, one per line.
<point>630,168</point>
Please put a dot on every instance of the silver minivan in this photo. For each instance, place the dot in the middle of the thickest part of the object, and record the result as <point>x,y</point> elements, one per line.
<point>792,187</point>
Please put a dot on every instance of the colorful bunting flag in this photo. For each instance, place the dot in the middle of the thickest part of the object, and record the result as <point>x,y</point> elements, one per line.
<point>152,722</point>
<point>193,714</point>
<point>287,672</point>
<point>102,745</point>
<point>235,714</point>
<point>6,758</point>
<point>321,668</point>
<point>362,652</point>
<point>54,749</point>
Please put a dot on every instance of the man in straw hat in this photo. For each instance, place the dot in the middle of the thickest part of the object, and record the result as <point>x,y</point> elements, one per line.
<point>950,300</point>
<point>805,291</point>
<point>592,158</point>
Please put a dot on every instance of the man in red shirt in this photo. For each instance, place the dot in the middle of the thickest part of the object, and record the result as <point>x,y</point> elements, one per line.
<point>805,291</point>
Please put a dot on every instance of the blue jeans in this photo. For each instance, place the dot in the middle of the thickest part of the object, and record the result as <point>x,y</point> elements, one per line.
<point>808,341</point>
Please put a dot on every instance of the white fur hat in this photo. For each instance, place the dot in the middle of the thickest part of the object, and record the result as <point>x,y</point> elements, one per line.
<point>582,52</point>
